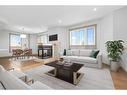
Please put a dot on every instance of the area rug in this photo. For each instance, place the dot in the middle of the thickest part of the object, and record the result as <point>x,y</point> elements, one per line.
<point>93,79</point>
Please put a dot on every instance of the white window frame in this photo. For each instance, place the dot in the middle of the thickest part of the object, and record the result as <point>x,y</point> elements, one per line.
<point>84,46</point>
<point>21,44</point>
<point>11,47</point>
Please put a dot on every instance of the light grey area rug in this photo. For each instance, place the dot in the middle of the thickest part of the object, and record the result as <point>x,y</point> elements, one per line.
<point>92,79</point>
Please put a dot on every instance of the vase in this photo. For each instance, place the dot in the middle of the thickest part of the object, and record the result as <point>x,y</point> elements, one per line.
<point>114,66</point>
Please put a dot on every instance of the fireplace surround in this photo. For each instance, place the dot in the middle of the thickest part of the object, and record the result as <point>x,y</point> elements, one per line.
<point>44,51</point>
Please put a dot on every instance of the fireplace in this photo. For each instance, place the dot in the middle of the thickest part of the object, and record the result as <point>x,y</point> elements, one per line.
<point>44,51</point>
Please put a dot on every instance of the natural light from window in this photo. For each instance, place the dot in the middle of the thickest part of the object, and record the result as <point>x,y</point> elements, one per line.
<point>15,40</point>
<point>83,36</point>
<point>18,42</point>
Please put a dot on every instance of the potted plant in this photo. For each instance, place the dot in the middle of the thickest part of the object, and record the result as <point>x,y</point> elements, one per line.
<point>115,50</point>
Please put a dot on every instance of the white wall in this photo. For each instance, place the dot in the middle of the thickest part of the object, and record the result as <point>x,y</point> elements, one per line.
<point>120,31</point>
<point>120,24</point>
<point>33,43</point>
<point>106,34</point>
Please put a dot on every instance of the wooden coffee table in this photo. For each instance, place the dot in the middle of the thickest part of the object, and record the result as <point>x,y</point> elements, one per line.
<point>69,73</point>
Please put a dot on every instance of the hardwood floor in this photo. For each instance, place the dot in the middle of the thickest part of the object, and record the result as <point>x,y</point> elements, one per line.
<point>119,78</point>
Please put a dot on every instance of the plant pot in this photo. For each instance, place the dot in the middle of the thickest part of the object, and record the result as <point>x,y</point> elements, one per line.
<point>114,66</point>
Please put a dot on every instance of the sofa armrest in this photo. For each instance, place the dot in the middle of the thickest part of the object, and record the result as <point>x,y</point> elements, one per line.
<point>99,60</point>
<point>11,69</point>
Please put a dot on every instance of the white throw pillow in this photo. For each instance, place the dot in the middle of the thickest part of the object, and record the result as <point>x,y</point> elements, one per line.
<point>69,53</point>
<point>73,52</point>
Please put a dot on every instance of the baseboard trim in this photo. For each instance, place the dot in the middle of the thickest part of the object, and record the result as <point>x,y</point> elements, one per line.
<point>124,68</point>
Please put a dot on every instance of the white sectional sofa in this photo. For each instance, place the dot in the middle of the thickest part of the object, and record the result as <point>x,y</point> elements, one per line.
<point>11,82</point>
<point>82,57</point>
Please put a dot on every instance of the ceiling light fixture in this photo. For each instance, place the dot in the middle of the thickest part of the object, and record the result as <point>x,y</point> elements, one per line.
<point>22,36</point>
<point>94,9</point>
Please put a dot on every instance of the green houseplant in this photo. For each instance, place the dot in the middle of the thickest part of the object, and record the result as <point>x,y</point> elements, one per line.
<point>115,50</point>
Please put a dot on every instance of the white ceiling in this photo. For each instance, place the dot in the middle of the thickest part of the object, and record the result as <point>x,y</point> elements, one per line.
<point>35,19</point>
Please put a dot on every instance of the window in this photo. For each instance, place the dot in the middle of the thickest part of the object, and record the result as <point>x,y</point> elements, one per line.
<point>90,36</point>
<point>18,41</point>
<point>15,41</point>
<point>42,39</point>
<point>84,36</point>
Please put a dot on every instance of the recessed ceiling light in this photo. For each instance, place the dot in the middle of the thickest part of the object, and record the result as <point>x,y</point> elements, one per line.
<point>59,21</point>
<point>94,9</point>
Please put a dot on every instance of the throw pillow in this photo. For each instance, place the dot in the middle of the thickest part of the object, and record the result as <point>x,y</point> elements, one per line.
<point>94,53</point>
<point>64,53</point>
<point>75,52</point>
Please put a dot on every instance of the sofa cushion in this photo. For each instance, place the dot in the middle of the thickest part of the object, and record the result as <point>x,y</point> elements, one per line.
<point>73,52</point>
<point>87,60</point>
<point>80,59</point>
<point>85,52</point>
<point>68,53</point>
<point>12,82</point>
<point>69,57</point>
<point>9,81</point>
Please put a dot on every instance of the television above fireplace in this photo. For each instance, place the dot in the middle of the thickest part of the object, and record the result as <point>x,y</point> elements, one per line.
<point>53,37</point>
